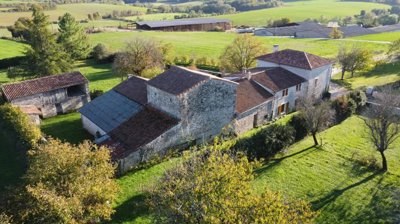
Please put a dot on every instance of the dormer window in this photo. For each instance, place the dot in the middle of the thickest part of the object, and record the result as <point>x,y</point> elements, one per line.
<point>285,92</point>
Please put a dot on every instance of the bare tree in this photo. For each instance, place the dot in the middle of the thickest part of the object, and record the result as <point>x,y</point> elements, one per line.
<point>382,122</point>
<point>317,115</point>
<point>242,53</point>
<point>140,54</point>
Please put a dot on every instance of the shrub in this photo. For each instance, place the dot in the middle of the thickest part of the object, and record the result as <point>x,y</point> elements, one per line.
<point>267,142</point>
<point>14,119</point>
<point>96,93</point>
<point>344,108</point>
<point>359,98</point>
<point>100,53</point>
<point>326,95</point>
<point>299,124</point>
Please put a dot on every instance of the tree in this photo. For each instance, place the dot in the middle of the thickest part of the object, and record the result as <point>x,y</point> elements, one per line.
<point>20,28</point>
<point>73,37</point>
<point>336,33</point>
<point>100,52</point>
<point>242,53</point>
<point>140,55</point>
<point>215,187</point>
<point>354,59</point>
<point>44,56</point>
<point>382,123</point>
<point>317,115</point>
<point>394,49</point>
<point>65,183</point>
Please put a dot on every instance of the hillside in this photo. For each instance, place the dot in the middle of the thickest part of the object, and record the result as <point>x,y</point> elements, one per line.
<point>339,188</point>
<point>301,10</point>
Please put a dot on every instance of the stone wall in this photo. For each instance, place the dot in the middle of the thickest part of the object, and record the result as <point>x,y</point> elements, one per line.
<point>256,116</point>
<point>164,101</point>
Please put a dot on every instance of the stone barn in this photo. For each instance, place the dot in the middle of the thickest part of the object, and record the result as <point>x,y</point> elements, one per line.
<point>197,24</point>
<point>51,95</point>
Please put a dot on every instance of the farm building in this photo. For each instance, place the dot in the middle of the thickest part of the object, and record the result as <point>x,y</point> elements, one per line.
<point>196,24</point>
<point>50,95</point>
<point>141,118</point>
<point>311,30</point>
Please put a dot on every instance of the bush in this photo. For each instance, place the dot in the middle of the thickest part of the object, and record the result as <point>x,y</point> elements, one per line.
<point>267,142</point>
<point>96,93</point>
<point>299,124</point>
<point>14,119</point>
<point>359,98</point>
<point>101,54</point>
<point>344,108</point>
<point>326,95</point>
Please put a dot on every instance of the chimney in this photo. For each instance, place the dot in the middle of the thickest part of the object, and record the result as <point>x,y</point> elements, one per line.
<point>276,48</point>
<point>248,75</point>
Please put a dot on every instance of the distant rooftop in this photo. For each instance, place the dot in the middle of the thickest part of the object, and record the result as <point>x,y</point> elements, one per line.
<point>181,22</point>
<point>44,84</point>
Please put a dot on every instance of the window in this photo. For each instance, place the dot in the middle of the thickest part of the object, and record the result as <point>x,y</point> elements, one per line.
<point>298,87</point>
<point>285,92</point>
<point>284,108</point>
<point>316,82</point>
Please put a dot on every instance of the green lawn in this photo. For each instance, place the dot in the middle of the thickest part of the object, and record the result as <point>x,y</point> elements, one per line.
<point>79,11</point>
<point>381,75</point>
<point>301,10</point>
<point>211,44</point>
<point>340,189</point>
<point>10,48</point>
<point>66,127</point>
<point>390,36</point>
<point>158,16</point>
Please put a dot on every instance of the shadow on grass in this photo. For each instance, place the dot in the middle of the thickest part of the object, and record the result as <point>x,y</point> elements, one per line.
<point>383,70</point>
<point>275,162</point>
<point>334,194</point>
<point>131,209</point>
<point>343,83</point>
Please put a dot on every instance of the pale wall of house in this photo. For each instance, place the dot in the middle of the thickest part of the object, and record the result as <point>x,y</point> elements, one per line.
<point>164,101</point>
<point>91,127</point>
<point>323,74</point>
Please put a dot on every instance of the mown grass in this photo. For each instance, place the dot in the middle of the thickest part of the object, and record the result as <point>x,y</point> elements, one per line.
<point>79,11</point>
<point>157,16</point>
<point>338,187</point>
<point>211,44</point>
<point>389,36</point>
<point>378,76</point>
<point>301,10</point>
<point>10,48</point>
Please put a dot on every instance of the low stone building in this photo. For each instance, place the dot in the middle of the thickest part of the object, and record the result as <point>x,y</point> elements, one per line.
<point>51,95</point>
<point>141,118</point>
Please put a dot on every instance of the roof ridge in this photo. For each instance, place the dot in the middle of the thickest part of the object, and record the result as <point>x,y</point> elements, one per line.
<point>308,60</point>
<point>205,74</point>
<point>43,77</point>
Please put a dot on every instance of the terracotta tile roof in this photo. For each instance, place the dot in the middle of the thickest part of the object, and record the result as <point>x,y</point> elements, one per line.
<point>178,80</point>
<point>277,79</point>
<point>40,85</point>
<point>295,58</point>
<point>142,128</point>
<point>135,88</point>
<point>249,95</point>
<point>30,109</point>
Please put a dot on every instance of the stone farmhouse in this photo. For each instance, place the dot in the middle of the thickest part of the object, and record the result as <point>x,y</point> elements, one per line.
<point>48,96</point>
<point>141,118</point>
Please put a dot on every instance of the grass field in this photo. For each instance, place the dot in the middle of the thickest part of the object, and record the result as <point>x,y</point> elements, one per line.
<point>211,44</point>
<point>79,11</point>
<point>158,16</point>
<point>10,49</point>
<point>301,10</point>
<point>380,75</point>
<point>340,189</point>
<point>391,36</point>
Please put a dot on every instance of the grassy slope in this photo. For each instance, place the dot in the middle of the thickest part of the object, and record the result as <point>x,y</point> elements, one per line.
<point>341,190</point>
<point>390,36</point>
<point>10,48</point>
<point>301,10</point>
<point>79,11</point>
<point>159,16</point>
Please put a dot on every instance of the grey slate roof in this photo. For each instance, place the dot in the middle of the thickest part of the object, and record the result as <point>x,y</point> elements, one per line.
<point>110,110</point>
<point>181,22</point>
<point>388,28</point>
